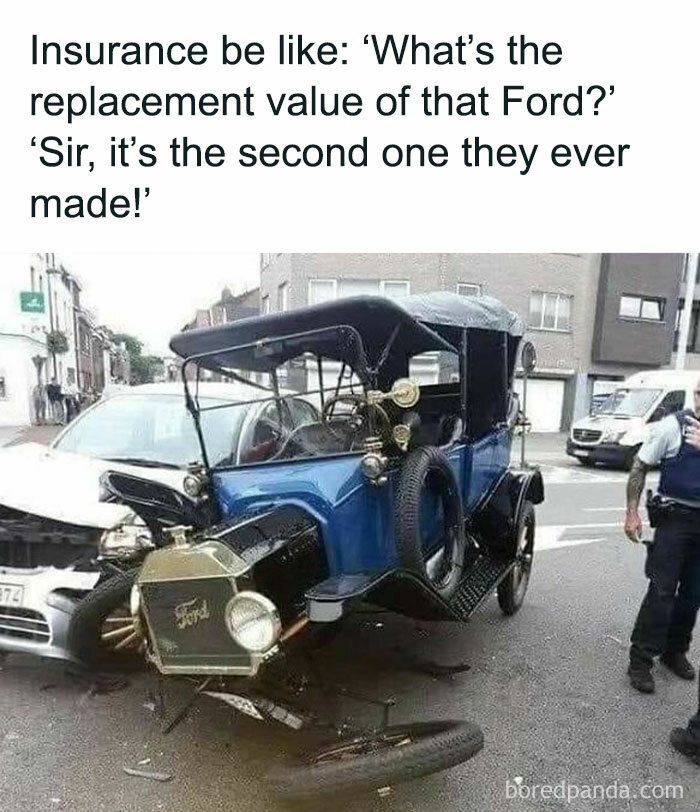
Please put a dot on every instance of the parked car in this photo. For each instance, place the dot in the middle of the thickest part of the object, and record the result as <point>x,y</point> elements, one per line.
<point>614,433</point>
<point>395,494</point>
<point>61,549</point>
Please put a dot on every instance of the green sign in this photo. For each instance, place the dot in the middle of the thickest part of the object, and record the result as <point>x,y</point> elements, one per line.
<point>31,302</point>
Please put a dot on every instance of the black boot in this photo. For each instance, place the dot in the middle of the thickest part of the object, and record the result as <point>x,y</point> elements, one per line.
<point>679,664</point>
<point>641,677</point>
<point>686,744</point>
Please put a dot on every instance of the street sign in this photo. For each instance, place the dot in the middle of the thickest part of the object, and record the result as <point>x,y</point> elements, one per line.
<point>31,302</point>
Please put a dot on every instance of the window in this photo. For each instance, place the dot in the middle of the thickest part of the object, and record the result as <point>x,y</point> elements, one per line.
<point>671,403</point>
<point>325,290</point>
<point>468,289</point>
<point>283,296</point>
<point>265,305</point>
<point>642,308</point>
<point>303,413</point>
<point>395,289</point>
<point>357,287</point>
<point>321,290</point>
<point>550,311</point>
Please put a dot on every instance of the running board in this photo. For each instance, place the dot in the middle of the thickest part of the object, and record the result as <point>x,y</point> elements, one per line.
<point>484,575</point>
<point>407,593</point>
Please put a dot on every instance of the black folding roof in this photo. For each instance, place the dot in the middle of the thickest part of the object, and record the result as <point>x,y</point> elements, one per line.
<point>369,327</point>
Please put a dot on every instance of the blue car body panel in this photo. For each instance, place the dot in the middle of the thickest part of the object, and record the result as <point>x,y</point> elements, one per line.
<point>355,517</point>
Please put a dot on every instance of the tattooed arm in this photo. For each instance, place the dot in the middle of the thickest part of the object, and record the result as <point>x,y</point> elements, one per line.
<point>635,487</point>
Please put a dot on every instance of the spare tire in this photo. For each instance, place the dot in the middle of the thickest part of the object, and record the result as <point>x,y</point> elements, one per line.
<point>427,468</point>
<point>369,763</point>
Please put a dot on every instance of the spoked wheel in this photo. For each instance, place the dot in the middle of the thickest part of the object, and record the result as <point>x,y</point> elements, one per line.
<point>511,591</point>
<point>119,632</point>
<point>377,760</point>
<point>102,632</point>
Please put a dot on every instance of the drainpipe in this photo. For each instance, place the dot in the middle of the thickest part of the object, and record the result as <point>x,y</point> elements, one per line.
<point>49,271</point>
<point>691,273</point>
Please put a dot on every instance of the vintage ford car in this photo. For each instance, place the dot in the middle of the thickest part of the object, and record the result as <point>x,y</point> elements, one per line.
<point>398,494</point>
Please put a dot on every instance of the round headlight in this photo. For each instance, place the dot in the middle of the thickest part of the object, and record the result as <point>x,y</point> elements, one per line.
<point>253,621</point>
<point>373,465</point>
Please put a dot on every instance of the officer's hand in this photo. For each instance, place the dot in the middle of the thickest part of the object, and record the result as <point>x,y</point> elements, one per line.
<point>691,432</point>
<point>633,527</point>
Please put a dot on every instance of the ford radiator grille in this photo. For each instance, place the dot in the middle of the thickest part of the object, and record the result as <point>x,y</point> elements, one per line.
<point>187,625</point>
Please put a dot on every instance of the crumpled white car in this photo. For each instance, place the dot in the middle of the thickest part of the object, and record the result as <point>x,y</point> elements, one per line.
<point>56,537</point>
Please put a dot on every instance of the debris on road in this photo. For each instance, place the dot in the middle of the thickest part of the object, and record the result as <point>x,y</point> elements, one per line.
<point>616,640</point>
<point>154,776</point>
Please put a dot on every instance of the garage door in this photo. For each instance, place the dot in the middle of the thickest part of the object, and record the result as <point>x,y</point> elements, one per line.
<point>545,400</point>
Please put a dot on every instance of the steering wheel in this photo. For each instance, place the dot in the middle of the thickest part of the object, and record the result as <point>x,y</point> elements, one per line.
<point>359,414</point>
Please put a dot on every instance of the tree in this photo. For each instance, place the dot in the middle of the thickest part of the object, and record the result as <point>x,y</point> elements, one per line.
<point>143,367</point>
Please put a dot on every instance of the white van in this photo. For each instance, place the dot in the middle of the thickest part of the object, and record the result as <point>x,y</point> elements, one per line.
<point>619,426</point>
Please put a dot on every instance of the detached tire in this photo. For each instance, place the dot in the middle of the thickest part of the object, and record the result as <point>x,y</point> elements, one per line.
<point>88,624</point>
<point>511,591</point>
<point>365,764</point>
<point>429,467</point>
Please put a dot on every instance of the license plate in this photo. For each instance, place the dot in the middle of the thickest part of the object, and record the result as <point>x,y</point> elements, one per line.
<point>581,452</point>
<point>11,594</point>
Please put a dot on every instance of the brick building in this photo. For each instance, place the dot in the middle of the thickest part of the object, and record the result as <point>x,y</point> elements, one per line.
<point>594,318</point>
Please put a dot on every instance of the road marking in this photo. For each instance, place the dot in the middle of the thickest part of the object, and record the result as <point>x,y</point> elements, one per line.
<point>554,536</point>
<point>603,509</point>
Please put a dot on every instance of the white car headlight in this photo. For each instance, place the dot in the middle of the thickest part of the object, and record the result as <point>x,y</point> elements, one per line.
<point>612,436</point>
<point>253,621</point>
<point>125,541</point>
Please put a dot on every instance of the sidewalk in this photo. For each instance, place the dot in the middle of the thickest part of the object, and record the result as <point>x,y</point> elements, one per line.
<point>28,434</point>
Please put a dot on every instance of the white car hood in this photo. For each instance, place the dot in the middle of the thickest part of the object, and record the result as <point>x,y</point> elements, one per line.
<point>64,486</point>
<point>600,422</point>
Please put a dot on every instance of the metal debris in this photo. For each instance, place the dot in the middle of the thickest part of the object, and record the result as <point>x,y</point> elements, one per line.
<point>154,776</point>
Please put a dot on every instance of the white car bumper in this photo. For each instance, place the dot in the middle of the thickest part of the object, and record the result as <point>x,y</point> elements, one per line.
<point>35,612</point>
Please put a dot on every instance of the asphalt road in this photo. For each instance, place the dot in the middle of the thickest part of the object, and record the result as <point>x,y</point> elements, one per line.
<point>548,687</point>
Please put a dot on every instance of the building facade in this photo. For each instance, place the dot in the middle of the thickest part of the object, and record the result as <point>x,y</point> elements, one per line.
<point>593,318</point>
<point>46,334</point>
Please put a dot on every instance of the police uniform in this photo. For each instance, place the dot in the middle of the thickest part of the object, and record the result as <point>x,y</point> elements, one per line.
<point>667,614</point>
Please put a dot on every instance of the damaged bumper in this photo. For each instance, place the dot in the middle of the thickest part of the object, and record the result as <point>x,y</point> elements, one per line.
<point>36,607</point>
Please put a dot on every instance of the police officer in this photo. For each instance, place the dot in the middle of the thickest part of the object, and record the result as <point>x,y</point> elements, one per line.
<point>667,615</point>
<point>687,739</point>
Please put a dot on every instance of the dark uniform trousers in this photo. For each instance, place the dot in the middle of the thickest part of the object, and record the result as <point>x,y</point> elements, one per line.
<point>668,611</point>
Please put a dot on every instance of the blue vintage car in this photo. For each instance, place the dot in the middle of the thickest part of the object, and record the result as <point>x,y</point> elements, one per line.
<point>385,491</point>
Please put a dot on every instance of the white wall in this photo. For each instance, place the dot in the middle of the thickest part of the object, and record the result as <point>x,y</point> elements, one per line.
<point>19,372</point>
<point>22,335</point>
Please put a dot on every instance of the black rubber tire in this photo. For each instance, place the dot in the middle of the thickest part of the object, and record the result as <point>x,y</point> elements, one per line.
<point>441,745</point>
<point>412,478</point>
<point>586,462</point>
<point>87,619</point>
<point>509,599</point>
